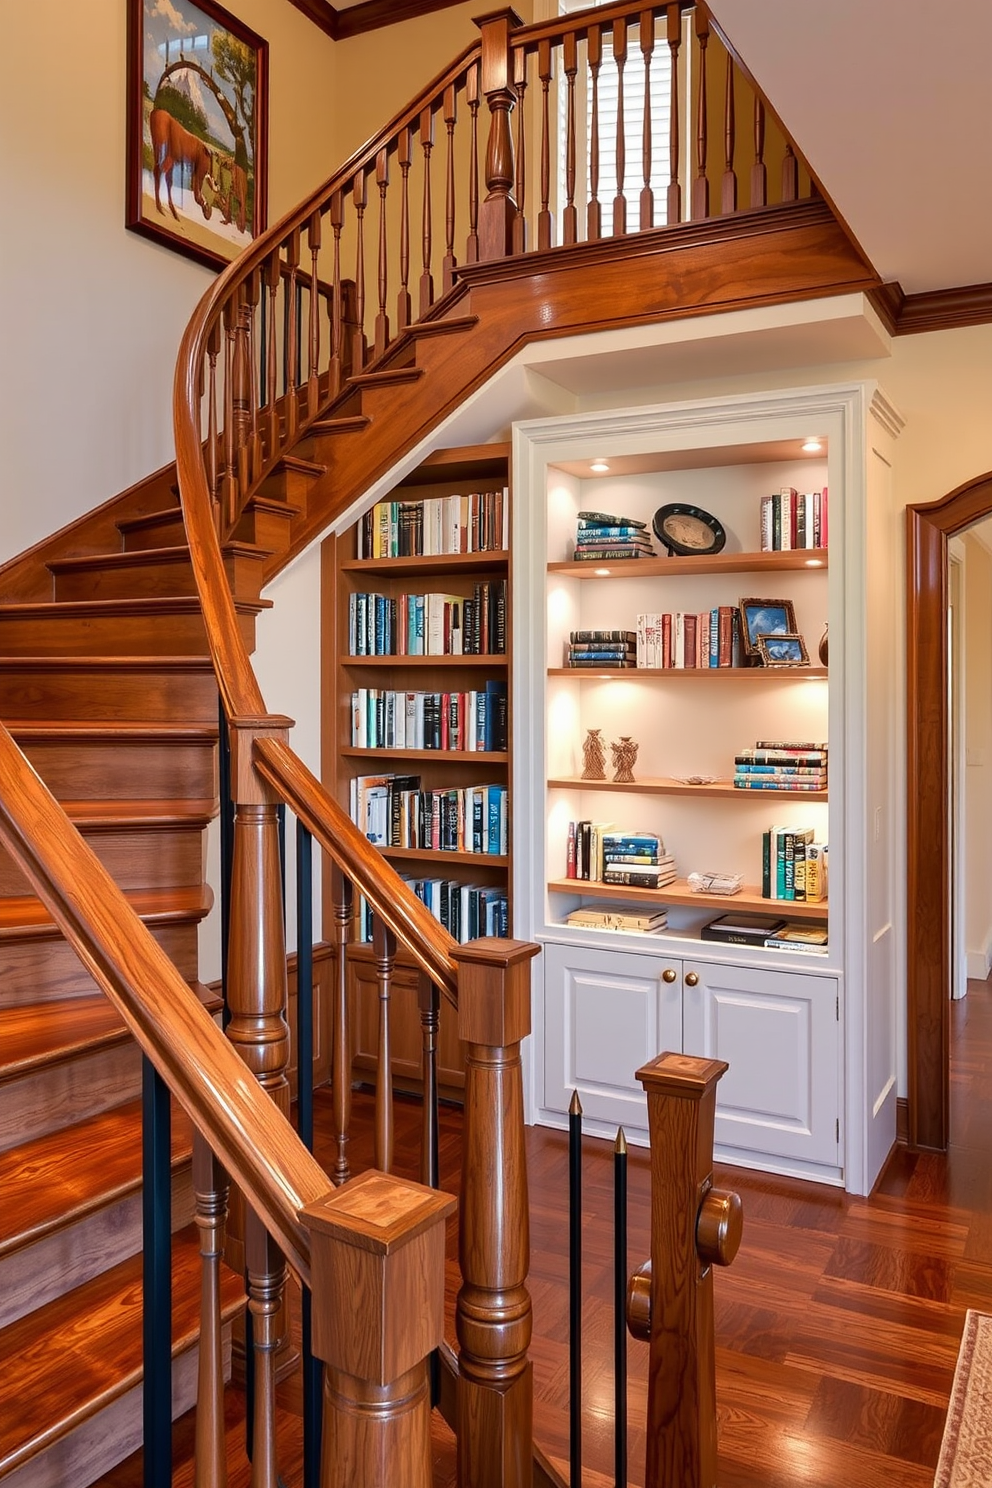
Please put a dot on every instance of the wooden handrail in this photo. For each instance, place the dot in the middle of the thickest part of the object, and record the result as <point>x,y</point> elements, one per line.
<point>254,1142</point>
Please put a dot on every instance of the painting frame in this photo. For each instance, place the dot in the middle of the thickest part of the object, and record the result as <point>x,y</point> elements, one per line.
<point>205,155</point>
<point>765,617</point>
<point>783,649</point>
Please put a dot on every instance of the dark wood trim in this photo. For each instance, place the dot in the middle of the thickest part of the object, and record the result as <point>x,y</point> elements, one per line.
<point>902,1121</point>
<point>371,15</point>
<point>933,310</point>
<point>324,16</point>
<point>928,837</point>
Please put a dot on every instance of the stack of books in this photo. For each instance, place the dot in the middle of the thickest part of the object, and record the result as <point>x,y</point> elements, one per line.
<point>601,536</point>
<point>628,920</point>
<point>636,859</point>
<point>601,648</point>
<point>770,934</point>
<point>782,765</point>
<point>793,865</point>
<point>793,519</point>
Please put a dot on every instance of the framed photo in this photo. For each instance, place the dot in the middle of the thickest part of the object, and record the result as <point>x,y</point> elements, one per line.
<point>765,617</point>
<point>785,650</point>
<point>197,117</point>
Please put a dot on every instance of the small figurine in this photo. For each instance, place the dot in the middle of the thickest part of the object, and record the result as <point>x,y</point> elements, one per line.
<point>594,755</point>
<point>624,755</point>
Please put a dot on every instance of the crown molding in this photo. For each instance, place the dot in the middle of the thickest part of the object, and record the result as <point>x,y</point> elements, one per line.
<point>933,310</point>
<point>370,15</point>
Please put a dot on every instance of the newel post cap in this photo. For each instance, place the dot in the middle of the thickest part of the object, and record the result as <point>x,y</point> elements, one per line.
<point>494,990</point>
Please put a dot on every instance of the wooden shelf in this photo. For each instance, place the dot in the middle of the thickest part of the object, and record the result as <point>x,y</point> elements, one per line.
<point>725,674</point>
<point>433,855</point>
<point>662,786</point>
<point>795,560</point>
<point>471,756</point>
<point>679,893</point>
<point>491,561</point>
<point>497,659</point>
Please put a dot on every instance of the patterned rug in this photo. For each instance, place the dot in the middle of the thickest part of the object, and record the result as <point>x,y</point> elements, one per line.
<point>966,1450</point>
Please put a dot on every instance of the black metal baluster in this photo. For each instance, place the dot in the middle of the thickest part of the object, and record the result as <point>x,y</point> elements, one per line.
<point>575,1289</point>
<point>620,1304</point>
<point>156,1207</point>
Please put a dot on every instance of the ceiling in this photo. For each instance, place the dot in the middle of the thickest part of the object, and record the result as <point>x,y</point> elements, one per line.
<point>890,102</point>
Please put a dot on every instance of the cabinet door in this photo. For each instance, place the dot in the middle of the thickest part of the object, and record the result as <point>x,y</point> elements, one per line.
<point>605,1015</point>
<point>779,1032</point>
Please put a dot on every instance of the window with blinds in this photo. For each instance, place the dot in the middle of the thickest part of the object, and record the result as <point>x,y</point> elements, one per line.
<point>609,123</point>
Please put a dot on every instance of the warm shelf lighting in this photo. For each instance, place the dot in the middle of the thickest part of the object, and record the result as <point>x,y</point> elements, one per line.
<point>602,573</point>
<point>599,467</point>
<point>814,562</point>
<point>812,445</point>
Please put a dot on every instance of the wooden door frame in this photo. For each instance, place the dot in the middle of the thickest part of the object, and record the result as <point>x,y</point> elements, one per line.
<point>928,877</point>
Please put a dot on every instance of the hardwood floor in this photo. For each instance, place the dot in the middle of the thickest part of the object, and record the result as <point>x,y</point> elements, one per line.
<point>837,1326</point>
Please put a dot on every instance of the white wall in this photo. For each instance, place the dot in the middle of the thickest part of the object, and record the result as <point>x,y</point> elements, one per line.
<point>976,786</point>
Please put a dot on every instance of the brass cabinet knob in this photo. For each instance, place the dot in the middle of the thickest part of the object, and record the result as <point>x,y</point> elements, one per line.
<point>719,1226</point>
<point>669,974</point>
<point>692,979</point>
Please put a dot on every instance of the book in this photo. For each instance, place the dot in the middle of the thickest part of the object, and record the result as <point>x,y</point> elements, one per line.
<point>816,872</point>
<point>640,878</point>
<point>799,936</point>
<point>741,929</point>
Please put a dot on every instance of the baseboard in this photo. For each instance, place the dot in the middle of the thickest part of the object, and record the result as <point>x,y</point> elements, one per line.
<point>979,963</point>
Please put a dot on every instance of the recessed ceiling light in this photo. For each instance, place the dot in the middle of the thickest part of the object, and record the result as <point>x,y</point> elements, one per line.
<point>812,445</point>
<point>599,467</point>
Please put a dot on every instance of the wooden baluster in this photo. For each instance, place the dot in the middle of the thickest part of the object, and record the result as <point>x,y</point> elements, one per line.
<point>378,1312</point>
<point>342,899</point>
<point>728,193</point>
<point>384,945</point>
<point>759,173</point>
<point>266,1284</point>
<point>313,380</point>
<point>449,114</point>
<point>701,185</point>
<point>359,197</point>
<point>493,1311</point>
<point>230,478</point>
<point>674,36</point>
<point>498,209</point>
<point>272,281</point>
<point>670,1301</point>
<point>243,400</point>
<point>292,343</point>
<point>382,319</point>
<point>428,1000</point>
<point>620,58</point>
<point>426,299</point>
<point>210,1189</point>
<point>545,71</point>
<point>646,26</point>
<point>520,88</point>
<point>404,156</point>
<point>570,67</point>
<point>790,174</point>
<point>213,440</point>
<point>335,370</point>
<point>472,99</point>
<point>594,210</point>
<point>253,290</point>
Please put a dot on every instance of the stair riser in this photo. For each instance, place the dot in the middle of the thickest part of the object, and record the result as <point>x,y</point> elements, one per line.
<point>46,968</point>
<point>167,858</point>
<point>163,579</point>
<point>166,531</point>
<point>52,1266</point>
<point>125,694</point>
<point>99,769</point>
<point>270,530</point>
<point>139,634</point>
<point>52,1097</point>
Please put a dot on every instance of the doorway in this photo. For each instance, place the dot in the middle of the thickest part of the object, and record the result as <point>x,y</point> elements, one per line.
<point>929,834</point>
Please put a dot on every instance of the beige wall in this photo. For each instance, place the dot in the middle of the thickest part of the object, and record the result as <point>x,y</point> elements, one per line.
<point>91,315</point>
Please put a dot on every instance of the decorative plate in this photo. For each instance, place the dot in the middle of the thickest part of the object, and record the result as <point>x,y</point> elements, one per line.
<point>687,531</point>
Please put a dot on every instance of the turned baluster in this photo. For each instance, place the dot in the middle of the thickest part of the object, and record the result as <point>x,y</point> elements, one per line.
<point>620,58</point>
<point>384,946</point>
<point>790,174</point>
<point>545,71</point>
<point>229,483</point>
<point>759,172</point>
<point>594,210</point>
<point>210,1190</point>
<point>343,901</point>
<point>382,318</point>
<point>674,37</point>
<point>313,380</point>
<point>570,67</point>
<point>334,371</point>
<point>378,1286</point>
<point>449,114</point>
<point>498,209</point>
<point>292,323</point>
<point>728,192</point>
<point>213,440</point>
<point>646,25</point>
<point>694,1226</point>
<point>493,1311</point>
<point>359,197</point>
<point>244,400</point>
<point>273,276</point>
<point>266,1284</point>
<point>404,156</point>
<point>426,298</point>
<point>253,294</point>
<point>701,185</point>
<point>429,1003</point>
<point>520,88</point>
<point>472,99</point>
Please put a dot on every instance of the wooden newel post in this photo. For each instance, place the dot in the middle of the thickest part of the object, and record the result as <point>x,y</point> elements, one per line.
<point>498,209</point>
<point>378,1311</point>
<point>493,1314</point>
<point>694,1226</point>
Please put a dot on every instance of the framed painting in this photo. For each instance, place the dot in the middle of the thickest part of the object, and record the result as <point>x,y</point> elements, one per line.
<point>197,115</point>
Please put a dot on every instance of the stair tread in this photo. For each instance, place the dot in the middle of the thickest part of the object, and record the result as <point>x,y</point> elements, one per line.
<point>26,916</point>
<point>139,557</point>
<point>68,1173</point>
<point>347,424</point>
<point>299,466</point>
<point>383,376</point>
<point>91,608</point>
<point>148,519</point>
<point>112,813</point>
<point>128,663</point>
<point>31,728</point>
<point>69,1359</point>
